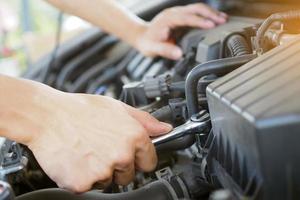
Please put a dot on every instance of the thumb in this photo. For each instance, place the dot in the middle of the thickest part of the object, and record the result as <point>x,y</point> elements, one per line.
<point>151,124</point>
<point>167,50</point>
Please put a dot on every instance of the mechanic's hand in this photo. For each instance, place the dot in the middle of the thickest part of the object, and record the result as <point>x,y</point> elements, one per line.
<point>155,38</point>
<point>92,139</point>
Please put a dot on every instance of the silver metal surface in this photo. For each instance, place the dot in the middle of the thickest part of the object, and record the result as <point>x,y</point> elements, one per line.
<point>196,124</point>
<point>14,168</point>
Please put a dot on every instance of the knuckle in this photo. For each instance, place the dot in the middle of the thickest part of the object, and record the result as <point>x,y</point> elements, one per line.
<point>189,20</point>
<point>172,10</point>
<point>146,115</point>
<point>77,186</point>
<point>141,138</point>
<point>137,134</point>
<point>105,174</point>
<point>125,160</point>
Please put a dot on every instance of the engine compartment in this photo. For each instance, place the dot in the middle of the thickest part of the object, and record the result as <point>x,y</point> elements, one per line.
<point>243,75</point>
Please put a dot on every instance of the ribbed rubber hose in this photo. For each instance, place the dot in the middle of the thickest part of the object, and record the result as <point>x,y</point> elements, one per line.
<point>238,46</point>
<point>159,190</point>
<point>217,67</point>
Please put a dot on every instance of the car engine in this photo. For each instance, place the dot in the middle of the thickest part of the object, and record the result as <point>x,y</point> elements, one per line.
<point>233,99</point>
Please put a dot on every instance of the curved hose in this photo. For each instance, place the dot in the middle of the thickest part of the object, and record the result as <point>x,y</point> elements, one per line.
<point>85,58</point>
<point>159,190</point>
<point>177,86</point>
<point>182,66</point>
<point>82,81</point>
<point>163,114</point>
<point>238,46</point>
<point>269,21</point>
<point>97,70</point>
<point>66,51</point>
<point>217,67</point>
<point>111,74</point>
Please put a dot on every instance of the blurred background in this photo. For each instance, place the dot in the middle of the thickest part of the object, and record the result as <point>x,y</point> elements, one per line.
<point>28,30</point>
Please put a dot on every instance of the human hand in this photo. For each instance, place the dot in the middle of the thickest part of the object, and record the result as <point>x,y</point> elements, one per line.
<point>88,139</point>
<point>154,38</point>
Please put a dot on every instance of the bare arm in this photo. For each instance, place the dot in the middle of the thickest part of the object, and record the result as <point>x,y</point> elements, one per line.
<point>73,136</point>
<point>21,107</point>
<point>150,38</point>
<point>107,14</point>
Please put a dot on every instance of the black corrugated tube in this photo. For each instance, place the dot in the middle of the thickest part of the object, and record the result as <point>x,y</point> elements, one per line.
<point>238,46</point>
<point>217,67</point>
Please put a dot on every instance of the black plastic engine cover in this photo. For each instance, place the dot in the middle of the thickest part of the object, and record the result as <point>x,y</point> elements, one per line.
<point>255,113</point>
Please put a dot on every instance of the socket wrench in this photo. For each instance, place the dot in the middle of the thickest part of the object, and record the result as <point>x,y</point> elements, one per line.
<point>196,124</point>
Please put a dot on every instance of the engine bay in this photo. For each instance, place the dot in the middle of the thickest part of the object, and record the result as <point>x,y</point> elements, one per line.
<point>233,100</point>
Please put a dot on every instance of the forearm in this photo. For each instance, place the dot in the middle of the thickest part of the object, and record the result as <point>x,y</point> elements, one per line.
<point>24,108</point>
<point>107,14</point>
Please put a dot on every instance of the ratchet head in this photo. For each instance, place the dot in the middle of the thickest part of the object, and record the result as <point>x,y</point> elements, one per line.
<point>196,124</point>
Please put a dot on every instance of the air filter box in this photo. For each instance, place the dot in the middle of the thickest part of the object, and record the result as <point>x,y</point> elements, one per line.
<point>255,111</point>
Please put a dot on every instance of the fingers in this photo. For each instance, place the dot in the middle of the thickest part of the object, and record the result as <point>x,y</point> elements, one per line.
<point>151,124</point>
<point>207,12</point>
<point>102,178</point>
<point>145,157</point>
<point>142,157</point>
<point>124,176</point>
<point>192,20</point>
<point>119,167</point>
<point>179,17</point>
<point>194,15</point>
<point>167,50</point>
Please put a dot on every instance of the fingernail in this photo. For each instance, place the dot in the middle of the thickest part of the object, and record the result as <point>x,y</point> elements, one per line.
<point>168,127</point>
<point>176,54</point>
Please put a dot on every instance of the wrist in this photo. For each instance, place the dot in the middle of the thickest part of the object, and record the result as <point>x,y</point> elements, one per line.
<point>25,110</point>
